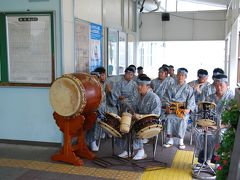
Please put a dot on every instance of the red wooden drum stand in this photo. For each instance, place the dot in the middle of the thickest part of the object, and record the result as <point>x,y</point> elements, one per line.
<point>71,127</point>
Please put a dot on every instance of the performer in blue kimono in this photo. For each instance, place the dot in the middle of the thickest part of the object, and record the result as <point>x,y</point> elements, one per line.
<point>160,84</point>
<point>210,89</point>
<point>199,84</point>
<point>146,103</point>
<point>139,70</point>
<point>125,92</point>
<point>171,72</point>
<point>93,134</point>
<point>176,120</point>
<point>221,98</point>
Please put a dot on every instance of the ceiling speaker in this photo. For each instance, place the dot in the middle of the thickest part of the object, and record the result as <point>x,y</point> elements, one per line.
<point>165,16</point>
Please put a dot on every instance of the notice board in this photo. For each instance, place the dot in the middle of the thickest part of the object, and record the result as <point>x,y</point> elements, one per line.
<point>27,47</point>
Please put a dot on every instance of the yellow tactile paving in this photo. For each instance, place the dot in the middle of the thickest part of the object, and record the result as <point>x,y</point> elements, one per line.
<point>59,168</point>
<point>180,170</point>
<point>69,169</point>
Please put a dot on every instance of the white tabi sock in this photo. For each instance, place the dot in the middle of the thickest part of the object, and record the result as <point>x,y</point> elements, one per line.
<point>181,142</point>
<point>170,141</point>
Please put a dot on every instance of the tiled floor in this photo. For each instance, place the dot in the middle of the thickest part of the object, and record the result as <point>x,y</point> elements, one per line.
<point>34,162</point>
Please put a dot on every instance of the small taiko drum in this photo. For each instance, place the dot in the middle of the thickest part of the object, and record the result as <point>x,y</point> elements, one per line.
<point>125,124</point>
<point>206,114</point>
<point>206,106</point>
<point>148,126</point>
<point>74,94</point>
<point>111,124</point>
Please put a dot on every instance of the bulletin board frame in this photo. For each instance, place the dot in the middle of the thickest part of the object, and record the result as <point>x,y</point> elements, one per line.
<point>39,64</point>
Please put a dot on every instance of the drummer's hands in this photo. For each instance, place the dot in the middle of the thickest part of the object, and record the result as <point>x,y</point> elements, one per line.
<point>108,88</point>
<point>136,116</point>
<point>121,98</point>
<point>168,110</point>
<point>197,87</point>
<point>186,111</point>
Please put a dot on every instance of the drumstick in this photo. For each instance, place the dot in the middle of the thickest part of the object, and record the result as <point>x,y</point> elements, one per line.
<point>129,107</point>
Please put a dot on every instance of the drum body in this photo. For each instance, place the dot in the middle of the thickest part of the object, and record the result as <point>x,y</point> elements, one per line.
<point>206,115</point>
<point>178,108</point>
<point>75,94</point>
<point>111,124</point>
<point>125,124</point>
<point>148,126</point>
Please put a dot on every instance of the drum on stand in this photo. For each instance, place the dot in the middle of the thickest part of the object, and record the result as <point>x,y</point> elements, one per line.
<point>206,114</point>
<point>111,124</point>
<point>206,117</point>
<point>147,126</point>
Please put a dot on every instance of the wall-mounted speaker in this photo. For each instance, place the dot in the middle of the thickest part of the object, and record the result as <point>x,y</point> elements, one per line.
<point>165,17</point>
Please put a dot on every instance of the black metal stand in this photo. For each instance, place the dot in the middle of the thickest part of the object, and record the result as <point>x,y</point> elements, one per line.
<point>107,161</point>
<point>151,163</point>
<point>204,170</point>
<point>146,164</point>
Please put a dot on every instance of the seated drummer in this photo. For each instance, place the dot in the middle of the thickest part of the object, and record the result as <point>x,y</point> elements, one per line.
<point>221,98</point>
<point>179,92</point>
<point>94,133</point>
<point>125,91</point>
<point>146,103</point>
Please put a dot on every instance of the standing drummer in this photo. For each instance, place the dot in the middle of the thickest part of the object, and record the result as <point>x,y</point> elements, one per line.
<point>146,103</point>
<point>221,98</point>
<point>179,92</point>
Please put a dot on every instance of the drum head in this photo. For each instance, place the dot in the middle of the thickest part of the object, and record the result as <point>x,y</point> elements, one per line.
<point>205,122</point>
<point>150,131</point>
<point>65,97</point>
<point>109,129</point>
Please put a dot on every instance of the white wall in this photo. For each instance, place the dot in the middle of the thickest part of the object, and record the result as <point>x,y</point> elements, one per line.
<point>67,8</point>
<point>233,56</point>
<point>232,28</point>
<point>89,10</point>
<point>183,26</point>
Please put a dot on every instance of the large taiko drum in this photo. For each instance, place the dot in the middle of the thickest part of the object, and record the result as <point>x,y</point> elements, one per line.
<point>74,94</point>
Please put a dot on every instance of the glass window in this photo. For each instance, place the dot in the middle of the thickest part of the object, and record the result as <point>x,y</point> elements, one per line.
<point>122,52</point>
<point>192,55</point>
<point>112,52</point>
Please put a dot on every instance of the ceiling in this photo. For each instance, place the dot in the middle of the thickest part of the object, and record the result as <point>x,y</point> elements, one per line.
<point>158,5</point>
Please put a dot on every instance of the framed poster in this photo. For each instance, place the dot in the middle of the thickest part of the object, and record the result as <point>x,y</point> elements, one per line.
<point>88,46</point>
<point>95,46</point>
<point>29,48</point>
